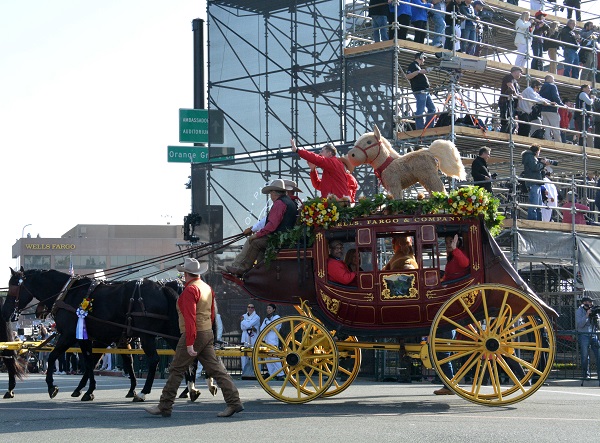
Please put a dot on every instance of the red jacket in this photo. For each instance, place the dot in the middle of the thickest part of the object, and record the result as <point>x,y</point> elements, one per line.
<point>338,272</point>
<point>457,266</point>
<point>352,183</point>
<point>334,179</point>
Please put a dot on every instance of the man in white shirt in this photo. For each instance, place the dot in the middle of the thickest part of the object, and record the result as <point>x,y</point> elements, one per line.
<point>525,108</point>
<point>549,196</point>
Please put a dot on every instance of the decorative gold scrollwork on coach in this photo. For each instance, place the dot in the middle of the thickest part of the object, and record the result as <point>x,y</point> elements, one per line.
<point>469,297</point>
<point>475,267</point>
<point>369,297</point>
<point>399,286</point>
<point>332,304</point>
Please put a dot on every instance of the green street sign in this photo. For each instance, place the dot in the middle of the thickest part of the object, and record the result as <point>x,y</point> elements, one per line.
<point>201,126</point>
<point>198,154</point>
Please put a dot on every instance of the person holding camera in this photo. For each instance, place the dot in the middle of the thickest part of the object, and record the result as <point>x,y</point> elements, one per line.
<point>479,170</point>
<point>589,38</point>
<point>584,102</point>
<point>587,335</point>
<point>534,167</point>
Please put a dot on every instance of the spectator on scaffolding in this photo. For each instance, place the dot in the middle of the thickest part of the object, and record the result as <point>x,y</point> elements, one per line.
<point>509,92</point>
<point>540,29</point>
<point>533,169</point>
<point>537,5</point>
<point>479,169</point>
<point>584,102</point>
<point>402,13</point>
<point>573,5</point>
<point>419,19</point>
<point>522,38</point>
<point>566,115</point>
<point>528,109</point>
<point>478,6</point>
<point>587,54</point>
<point>439,23</point>
<point>571,204</point>
<point>419,84</point>
<point>453,20</point>
<point>550,117</point>
<point>570,43</point>
<point>549,195</point>
<point>378,11</point>
<point>551,45</point>
<point>469,27</point>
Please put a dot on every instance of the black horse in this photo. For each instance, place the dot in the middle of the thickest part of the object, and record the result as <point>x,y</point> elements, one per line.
<point>14,366</point>
<point>119,310</point>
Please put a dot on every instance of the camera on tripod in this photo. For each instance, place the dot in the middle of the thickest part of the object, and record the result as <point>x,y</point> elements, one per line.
<point>448,61</point>
<point>595,317</point>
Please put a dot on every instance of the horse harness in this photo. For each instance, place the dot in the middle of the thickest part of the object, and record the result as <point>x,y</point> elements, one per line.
<point>384,165</point>
<point>60,304</point>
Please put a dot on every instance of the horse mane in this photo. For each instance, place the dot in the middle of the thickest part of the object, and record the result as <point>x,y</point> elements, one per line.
<point>387,147</point>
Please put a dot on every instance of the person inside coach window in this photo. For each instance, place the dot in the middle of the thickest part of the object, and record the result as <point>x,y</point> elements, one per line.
<point>337,271</point>
<point>404,255</point>
<point>457,264</point>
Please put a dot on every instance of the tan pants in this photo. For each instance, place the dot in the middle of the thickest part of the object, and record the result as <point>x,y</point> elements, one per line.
<point>553,64</point>
<point>206,354</point>
<point>251,251</point>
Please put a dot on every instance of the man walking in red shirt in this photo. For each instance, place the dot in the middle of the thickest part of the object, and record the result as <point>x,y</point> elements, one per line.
<point>195,308</point>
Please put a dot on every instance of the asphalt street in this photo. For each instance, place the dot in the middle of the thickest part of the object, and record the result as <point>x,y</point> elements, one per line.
<point>365,412</point>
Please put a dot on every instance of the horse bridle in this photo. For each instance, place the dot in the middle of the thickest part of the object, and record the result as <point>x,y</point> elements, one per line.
<point>364,150</point>
<point>11,293</point>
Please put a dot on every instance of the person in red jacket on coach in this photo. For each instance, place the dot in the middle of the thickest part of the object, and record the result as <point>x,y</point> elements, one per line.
<point>337,271</point>
<point>458,263</point>
<point>333,180</point>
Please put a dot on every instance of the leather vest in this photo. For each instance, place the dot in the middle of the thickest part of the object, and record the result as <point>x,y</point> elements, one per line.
<point>203,308</point>
<point>290,216</point>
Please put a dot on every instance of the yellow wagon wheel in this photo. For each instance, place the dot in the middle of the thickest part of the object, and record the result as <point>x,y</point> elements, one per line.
<point>499,342</point>
<point>303,364</point>
<point>348,366</point>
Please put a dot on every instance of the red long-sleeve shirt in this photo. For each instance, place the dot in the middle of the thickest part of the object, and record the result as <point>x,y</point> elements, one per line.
<point>338,272</point>
<point>276,214</point>
<point>334,179</point>
<point>457,266</point>
<point>187,306</point>
<point>352,183</point>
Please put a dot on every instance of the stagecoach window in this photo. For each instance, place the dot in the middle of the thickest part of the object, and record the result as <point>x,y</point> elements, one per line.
<point>430,257</point>
<point>36,262</point>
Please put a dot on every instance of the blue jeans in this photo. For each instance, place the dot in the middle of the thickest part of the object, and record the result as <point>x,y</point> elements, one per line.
<point>469,33</point>
<point>439,27</point>
<point>585,341</point>
<point>380,30</point>
<point>535,198</point>
<point>423,101</point>
<point>571,57</point>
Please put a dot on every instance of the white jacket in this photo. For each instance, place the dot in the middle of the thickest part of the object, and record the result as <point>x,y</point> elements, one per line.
<point>522,34</point>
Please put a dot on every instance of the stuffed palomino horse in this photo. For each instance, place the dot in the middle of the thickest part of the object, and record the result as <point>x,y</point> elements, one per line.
<point>398,172</point>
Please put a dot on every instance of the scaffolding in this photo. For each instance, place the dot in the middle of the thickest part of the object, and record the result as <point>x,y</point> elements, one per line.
<point>310,70</point>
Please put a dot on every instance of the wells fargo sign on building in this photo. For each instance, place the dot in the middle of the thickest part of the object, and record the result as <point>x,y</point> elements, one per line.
<point>50,246</point>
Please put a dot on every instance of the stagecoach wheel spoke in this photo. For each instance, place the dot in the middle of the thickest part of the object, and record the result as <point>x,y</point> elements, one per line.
<point>504,345</point>
<point>308,356</point>
<point>348,367</point>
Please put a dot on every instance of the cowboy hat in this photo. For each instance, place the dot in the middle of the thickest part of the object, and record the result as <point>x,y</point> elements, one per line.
<point>274,185</point>
<point>291,185</point>
<point>193,266</point>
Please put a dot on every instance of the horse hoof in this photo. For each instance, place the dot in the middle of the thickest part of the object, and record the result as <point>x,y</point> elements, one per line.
<point>184,394</point>
<point>76,394</point>
<point>194,394</point>
<point>213,390</point>
<point>130,394</point>
<point>138,399</point>
<point>87,397</point>
<point>53,391</point>
<point>9,394</point>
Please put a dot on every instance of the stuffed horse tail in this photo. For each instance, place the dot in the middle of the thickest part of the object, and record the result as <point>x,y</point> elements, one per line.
<point>449,159</point>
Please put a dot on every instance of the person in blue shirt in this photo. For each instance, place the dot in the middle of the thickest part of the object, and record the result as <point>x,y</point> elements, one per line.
<point>470,32</point>
<point>586,335</point>
<point>419,19</point>
<point>403,13</point>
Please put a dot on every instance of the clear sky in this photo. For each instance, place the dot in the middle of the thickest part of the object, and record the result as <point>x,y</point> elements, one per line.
<point>89,100</point>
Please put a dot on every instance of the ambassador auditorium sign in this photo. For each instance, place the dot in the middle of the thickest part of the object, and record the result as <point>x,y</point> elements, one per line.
<point>50,246</point>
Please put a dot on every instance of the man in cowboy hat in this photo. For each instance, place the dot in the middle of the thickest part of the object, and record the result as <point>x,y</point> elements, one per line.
<point>282,216</point>
<point>196,310</point>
